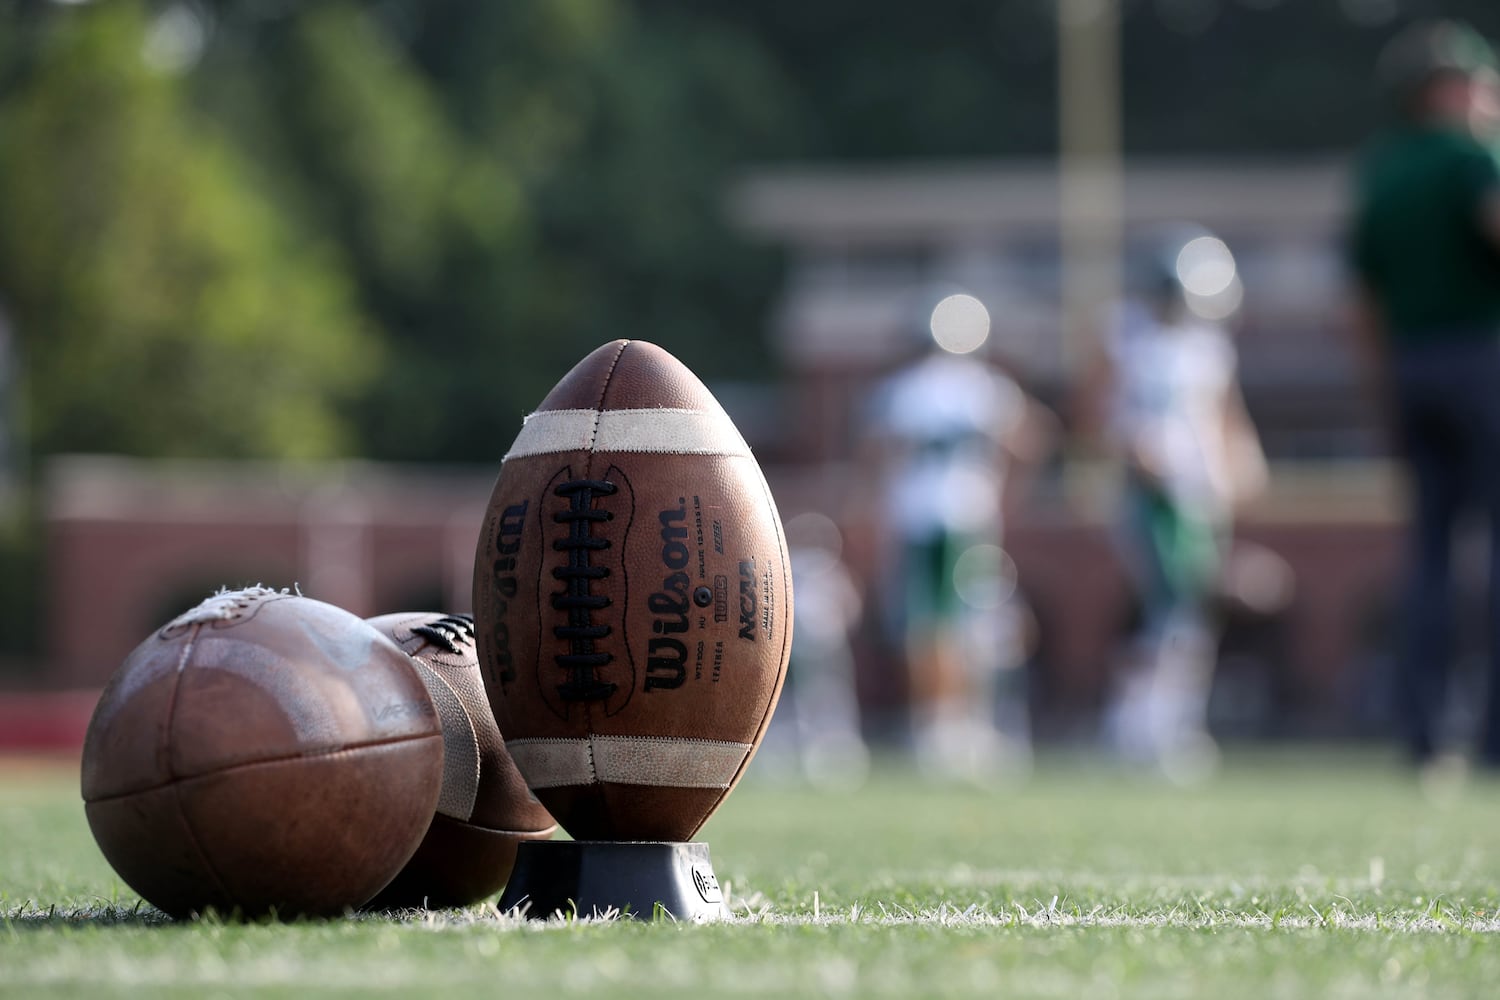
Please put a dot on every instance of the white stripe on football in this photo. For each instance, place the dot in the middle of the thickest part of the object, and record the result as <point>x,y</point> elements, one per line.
<point>659,431</point>
<point>627,760</point>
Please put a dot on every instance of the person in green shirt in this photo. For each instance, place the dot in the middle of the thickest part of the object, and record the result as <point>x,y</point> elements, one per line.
<point>1425,249</point>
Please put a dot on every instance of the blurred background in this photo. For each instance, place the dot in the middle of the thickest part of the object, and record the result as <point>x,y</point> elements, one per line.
<point>279,280</point>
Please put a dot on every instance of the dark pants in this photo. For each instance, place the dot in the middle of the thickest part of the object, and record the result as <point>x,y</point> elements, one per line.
<point>1176,555</point>
<point>1448,412</point>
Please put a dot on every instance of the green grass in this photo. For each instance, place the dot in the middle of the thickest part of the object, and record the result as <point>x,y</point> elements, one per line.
<point>1293,875</point>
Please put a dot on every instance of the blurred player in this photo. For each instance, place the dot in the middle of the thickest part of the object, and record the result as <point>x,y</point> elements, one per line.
<point>1426,251</point>
<point>817,722</point>
<point>944,429</point>
<point>1166,386</point>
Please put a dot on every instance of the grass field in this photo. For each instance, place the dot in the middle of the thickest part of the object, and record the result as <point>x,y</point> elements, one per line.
<point>1293,875</point>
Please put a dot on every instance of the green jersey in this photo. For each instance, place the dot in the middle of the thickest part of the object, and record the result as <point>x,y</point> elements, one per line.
<point>1418,244</point>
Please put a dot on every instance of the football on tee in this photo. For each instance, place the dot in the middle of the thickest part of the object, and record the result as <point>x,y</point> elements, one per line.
<point>263,752</point>
<point>484,809</point>
<point>632,599</point>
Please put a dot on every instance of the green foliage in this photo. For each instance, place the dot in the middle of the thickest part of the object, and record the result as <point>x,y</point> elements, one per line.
<point>636,213</point>
<point>512,185</point>
<point>389,227</point>
<point>433,228</point>
<point>398,185</point>
<point>164,305</point>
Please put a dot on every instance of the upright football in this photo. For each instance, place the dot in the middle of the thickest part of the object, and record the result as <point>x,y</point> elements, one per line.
<point>632,599</point>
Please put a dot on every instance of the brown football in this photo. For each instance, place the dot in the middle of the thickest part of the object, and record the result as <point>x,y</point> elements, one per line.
<point>263,752</point>
<point>632,599</point>
<point>484,809</point>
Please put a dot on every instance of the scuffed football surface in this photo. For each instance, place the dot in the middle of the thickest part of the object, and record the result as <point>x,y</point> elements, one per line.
<point>484,809</point>
<point>632,599</point>
<point>263,752</point>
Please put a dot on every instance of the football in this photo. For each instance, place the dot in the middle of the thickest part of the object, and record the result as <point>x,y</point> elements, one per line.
<point>262,753</point>
<point>484,809</point>
<point>632,599</point>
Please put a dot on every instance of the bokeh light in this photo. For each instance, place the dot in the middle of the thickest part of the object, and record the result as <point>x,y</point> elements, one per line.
<point>176,38</point>
<point>960,324</point>
<point>815,540</point>
<point>1205,266</point>
<point>1209,278</point>
<point>985,577</point>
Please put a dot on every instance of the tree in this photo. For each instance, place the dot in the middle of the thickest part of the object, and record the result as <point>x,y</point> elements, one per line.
<point>165,305</point>
<point>511,185</point>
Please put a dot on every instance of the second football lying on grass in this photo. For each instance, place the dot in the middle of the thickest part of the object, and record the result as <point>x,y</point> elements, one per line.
<point>484,810</point>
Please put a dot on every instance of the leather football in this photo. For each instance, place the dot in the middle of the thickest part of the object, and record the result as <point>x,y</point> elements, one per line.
<point>262,752</point>
<point>484,809</point>
<point>632,599</point>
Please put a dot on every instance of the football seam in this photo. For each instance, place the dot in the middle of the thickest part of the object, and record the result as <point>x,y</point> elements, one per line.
<point>164,742</point>
<point>588,745</point>
<point>281,759</point>
<point>599,406</point>
<point>588,472</point>
<point>164,748</point>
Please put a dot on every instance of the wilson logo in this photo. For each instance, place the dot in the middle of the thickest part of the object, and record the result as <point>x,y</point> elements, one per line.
<point>666,657</point>
<point>503,585</point>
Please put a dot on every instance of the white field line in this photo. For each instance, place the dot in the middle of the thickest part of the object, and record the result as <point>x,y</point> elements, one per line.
<point>1115,883</point>
<point>1437,918</point>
